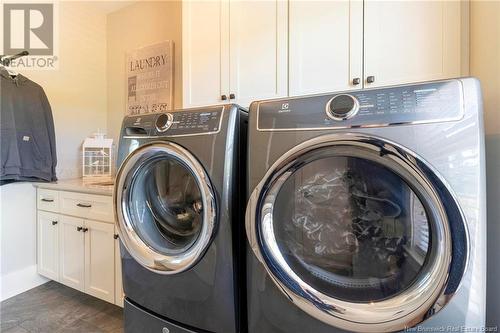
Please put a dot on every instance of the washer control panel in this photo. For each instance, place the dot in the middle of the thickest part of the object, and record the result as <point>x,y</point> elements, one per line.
<point>176,123</point>
<point>417,103</point>
<point>195,122</point>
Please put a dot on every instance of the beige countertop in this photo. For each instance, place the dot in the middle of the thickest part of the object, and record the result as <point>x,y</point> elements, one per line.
<point>101,187</point>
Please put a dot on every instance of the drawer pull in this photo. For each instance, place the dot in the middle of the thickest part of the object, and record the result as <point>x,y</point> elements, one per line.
<point>47,200</point>
<point>84,205</point>
<point>79,228</point>
<point>85,229</point>
<point>115,236</point>
<point>54,222</point>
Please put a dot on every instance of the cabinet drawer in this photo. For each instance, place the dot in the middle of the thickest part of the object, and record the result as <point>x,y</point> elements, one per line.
<point>48,200</point>
<point>88,206</point>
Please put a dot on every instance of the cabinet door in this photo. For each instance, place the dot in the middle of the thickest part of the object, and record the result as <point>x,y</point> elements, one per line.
<point>100,260</point>
<point>411,41</point>
<point>71,252</point>
<point>118,272</point>
<point>48,245</point>
<point>258,50</point>
<point>326,46</point>
<point>205,52</point>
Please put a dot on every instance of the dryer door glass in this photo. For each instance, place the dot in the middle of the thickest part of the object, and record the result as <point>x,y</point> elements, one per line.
<point>352,228</point>
<point>165,207</point>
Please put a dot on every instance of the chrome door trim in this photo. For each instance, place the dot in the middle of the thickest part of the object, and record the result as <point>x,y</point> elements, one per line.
<point>138,249</point>
<point>406,309</point>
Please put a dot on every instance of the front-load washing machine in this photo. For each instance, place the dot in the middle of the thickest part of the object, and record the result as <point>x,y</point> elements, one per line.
<point>177,204</point>
<point>366,210</point>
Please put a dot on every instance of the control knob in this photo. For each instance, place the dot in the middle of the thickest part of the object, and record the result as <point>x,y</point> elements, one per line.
<point>164,121</point>
<point>342,107</point>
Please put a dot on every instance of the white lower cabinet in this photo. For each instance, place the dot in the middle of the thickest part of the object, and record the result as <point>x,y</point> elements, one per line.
<point>48,245</point>
<point>118,273</point>
<point>79,252</point>
<point>100,260</point>
<point>71,252</point>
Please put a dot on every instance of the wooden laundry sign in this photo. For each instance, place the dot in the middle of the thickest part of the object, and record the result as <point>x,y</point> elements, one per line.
<point>150,79</point>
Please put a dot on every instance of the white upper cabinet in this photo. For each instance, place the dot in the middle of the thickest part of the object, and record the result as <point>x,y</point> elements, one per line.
<point>205,52</point>
<point>411,41</point>
<point>243,51</point>
<point>258,50</point>
<point>326,46</point>
<point>234,51</point>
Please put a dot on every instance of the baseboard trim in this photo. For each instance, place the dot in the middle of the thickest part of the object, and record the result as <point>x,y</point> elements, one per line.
<point>17,282</point>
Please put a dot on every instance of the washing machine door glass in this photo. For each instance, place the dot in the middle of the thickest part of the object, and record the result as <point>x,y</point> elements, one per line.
<point>165,207</point>
<point>356,231</point>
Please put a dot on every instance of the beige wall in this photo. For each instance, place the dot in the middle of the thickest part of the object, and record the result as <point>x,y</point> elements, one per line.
<point>485,57</point>
<point>77,90</point>
<point>485,65</point>
<point>140,24</point>
<point>77,94</point>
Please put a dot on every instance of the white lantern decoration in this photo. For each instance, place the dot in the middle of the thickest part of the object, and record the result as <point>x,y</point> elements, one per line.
<point>97,157</point>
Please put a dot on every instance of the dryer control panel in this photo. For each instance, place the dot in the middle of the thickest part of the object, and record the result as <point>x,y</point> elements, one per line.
<point>408,104</point>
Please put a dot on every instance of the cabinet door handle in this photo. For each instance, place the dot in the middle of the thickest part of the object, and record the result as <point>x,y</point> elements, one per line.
<point>84,205</point>
<point>232,96</point>
<point>370,79</point>
<point>85,229</point>
<point>356,81</point>
<point>223,97</point>
<point>47,200</point>
<point>79,228</point>
<point>115,236</point>
<point>54,222</point>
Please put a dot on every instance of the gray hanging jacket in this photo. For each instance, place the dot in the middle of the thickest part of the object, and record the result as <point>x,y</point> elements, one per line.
<point>27,138</point>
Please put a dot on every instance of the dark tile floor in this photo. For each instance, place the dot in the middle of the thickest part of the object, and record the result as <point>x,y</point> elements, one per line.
<point>53,307</point>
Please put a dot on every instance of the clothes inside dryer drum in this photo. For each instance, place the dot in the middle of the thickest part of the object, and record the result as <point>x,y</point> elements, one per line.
<point>166,205</point>
<point>351,228</point>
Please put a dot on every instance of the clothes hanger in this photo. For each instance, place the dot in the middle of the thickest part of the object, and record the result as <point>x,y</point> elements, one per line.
<point>6,60</point>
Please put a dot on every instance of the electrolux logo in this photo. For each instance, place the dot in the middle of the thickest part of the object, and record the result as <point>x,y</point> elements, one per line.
<point>285,107</point>
<point>32,27</point>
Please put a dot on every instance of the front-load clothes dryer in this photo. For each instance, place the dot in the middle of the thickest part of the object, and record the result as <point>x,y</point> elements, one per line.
<point>366,210</point>
<point>177,204</point>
